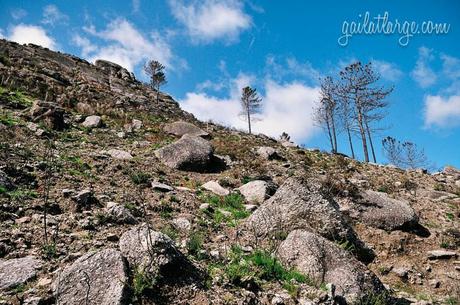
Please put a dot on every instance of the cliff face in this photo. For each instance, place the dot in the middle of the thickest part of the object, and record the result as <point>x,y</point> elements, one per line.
<point>108,196</point>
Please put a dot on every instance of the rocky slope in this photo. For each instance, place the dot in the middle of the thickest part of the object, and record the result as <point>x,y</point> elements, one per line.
<point>143,204</point>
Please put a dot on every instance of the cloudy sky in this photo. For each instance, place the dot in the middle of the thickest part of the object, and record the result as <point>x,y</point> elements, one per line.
<point>213,48</point>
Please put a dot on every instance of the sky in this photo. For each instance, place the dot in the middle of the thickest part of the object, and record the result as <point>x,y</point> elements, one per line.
<point>213,48</point>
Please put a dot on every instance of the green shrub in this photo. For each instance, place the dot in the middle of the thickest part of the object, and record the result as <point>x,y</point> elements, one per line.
<point>170,231</point>
<point>142,281</point>
<point>140,178</point>
<point>232,203</point>
<point>195,244</point>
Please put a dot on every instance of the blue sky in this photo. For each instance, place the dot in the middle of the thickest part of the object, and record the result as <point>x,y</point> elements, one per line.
<point>212,48</point>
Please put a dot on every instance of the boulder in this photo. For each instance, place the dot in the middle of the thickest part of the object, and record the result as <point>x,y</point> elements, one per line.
<point>256,191</point>
<point>135,125</point>
<point>215,187</point>
<point>378,210</point>
<point>325,262</point>
<point>189,153</point>
<point>95,278</point>
<point>148,249</point>
<point>301,205</point>
<point>92,121</point>
<point>268,153</point>
<point>119,154</point>
<point>18,271</point>
<point>118,213</point>
<point>181,128</point>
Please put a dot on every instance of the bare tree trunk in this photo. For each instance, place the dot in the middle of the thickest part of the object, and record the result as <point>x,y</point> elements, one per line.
<point>334,136</point>
<point>370,140</point>
<point>249,120</point>
<point>351,143</point>
<point>363,135</point>
<point>330,135</point>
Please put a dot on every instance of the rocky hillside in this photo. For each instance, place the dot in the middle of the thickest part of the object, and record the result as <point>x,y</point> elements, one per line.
<point>108,196</point>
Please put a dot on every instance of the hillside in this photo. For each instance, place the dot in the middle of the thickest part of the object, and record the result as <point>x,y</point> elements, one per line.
<point>144,204</point>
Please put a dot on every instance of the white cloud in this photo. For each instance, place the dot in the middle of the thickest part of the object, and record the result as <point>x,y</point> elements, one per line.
<point>125,45</point>
<point>23,33</point>
<point>387,70</point>
<point>422,72</point>
<point>286,108</point>
<point>52,15</point>
<point>18,13</point>
<point>442,112</point>
<point>209,20</point>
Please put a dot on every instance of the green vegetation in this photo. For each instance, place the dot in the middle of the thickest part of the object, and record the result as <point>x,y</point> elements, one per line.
<point>77,167</point>
<point>452,301</point>
<point>228,209</point>
<point>142,281</point>
<point>15,98</point>
<point>261,266</point>
<point>8,120</point>
<point>373,299</point>
<point>195,244</point>
<point>170,231</point>
<point>140,178</point>
<point>21,194</point>
<point>49,251</point>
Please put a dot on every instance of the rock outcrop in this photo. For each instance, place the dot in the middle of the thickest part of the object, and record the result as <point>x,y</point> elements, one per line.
<point>324,262</point>
<point>256,191</point>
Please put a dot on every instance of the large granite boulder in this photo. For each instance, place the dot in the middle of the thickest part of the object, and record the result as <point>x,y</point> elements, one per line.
<point>325,262</point>
<point>181,128</point>
<point>95,278</point>
<point>18,271</point>
<point>378,210</point>
<point>301,205</point>
<point>147,249</point>
<point>189,153</point>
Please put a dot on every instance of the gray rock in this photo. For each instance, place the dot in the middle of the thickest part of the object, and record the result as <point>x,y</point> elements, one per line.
<point>148,249</point>
<point>441,254</point>
<point>120,214</point>
<point>135,125</point>
<point>84,199</point>
<point>324,262</point>
<point>182,224</point>
<point>378,210</point>
<point>181,128</point>
<point>268,153</point>
<point>189,153</point>
<point>402,272</point>
<point>255,191</point>
<point>119,154</point>
<point>92,121</point>
<point>216,188</point>
<point>158,186</point>
<point>95,278</point>
<point>301,205</point>
<point>18,271</point>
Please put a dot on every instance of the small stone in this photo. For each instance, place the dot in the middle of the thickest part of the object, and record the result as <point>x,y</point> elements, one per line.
<point>401,272</point>
<point>92,121</point>
<point>214,254</point>
<point>268,153</point>
<point>182,223</point>
<point>204,206</point>
<point>121,134</point>
<point>441,254</point>
<point>44,281</point>
<point>215,187</point>
<point>158,186</point>
<point>119,154</point>
<point>277,300</point>
<point>250,207</point>
<point>22,220</point>
<point>67,192</point>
